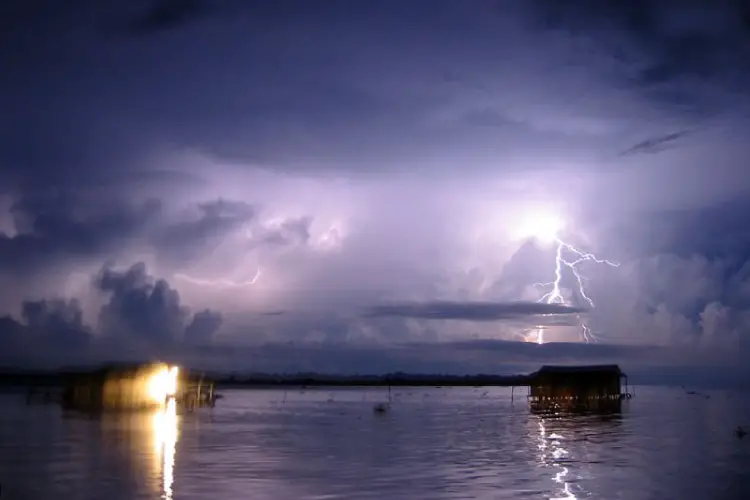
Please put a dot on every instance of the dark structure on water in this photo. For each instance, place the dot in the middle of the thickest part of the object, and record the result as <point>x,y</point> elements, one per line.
<point>596,388</point>
<point>119,387</point>
<point>130,387</point>
<point>593,388</point>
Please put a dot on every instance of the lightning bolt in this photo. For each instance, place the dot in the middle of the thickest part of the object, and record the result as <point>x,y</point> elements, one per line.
<point>555,293</point>
<point>223,283</point>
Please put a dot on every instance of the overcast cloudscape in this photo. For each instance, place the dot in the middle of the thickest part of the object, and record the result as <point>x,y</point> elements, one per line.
<point>297,183</point>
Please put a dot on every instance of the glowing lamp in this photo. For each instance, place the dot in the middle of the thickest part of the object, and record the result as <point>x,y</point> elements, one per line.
<point>163,384</point>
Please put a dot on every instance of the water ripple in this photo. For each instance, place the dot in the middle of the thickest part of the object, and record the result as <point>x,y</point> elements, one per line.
<point>434,443</point>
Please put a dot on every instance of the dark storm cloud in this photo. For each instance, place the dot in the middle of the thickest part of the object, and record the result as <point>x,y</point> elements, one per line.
<point>642,364</point>
<point>203,327</point>
<point>51,327</point>
<point>270,82</point>
<point>12,334</point>
<point>275,83</point>
<point>668,50</point>
<point>52,228</point>
<point>718,230</point>
<point>188,239</point>
<point>58,217</point>
<point>655,144</point>
<point>552,351</point>
<point>60,321</point>
<point>472,311</point>
<point>273,313</point>
<point>217,218</point>
<point>141,307</point>
<point>142,317</point>
<point>469,93</point>
<point>164,15</point>
<point>289,232</point>
<point>687,278</point>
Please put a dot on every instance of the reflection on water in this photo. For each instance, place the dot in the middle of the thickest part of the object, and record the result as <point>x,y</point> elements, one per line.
<point>165,430</point>
<point>552,453</point>
<point>441,444</point>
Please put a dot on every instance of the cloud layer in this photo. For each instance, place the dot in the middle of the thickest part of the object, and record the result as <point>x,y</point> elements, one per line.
<point>183,173</point>
<point>474,311</point>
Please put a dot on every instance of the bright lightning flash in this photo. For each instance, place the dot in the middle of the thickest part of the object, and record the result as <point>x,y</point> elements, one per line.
<point>220,283</point>
<point>545,229</point>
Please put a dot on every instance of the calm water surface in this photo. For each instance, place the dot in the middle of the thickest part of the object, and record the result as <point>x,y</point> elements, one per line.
<point>433,444</point>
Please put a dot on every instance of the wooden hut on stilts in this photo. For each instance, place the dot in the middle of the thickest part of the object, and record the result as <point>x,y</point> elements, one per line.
<point>597,387</point>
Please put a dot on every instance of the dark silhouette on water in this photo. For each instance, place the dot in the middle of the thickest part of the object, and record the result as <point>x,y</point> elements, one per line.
<point>551,389</point>
<point>382,408</point>
<point>578,388</point>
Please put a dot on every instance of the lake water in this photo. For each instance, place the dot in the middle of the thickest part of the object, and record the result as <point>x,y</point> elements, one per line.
<point>432,444</point>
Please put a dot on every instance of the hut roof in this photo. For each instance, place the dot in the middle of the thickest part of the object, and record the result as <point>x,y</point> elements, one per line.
<point>587,369</point>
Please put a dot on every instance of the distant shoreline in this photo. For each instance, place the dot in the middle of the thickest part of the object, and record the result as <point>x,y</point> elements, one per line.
<point>18,378</point>
<point>385,381</point>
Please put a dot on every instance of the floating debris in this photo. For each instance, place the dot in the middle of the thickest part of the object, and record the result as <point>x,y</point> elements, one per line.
<point>381,408</point>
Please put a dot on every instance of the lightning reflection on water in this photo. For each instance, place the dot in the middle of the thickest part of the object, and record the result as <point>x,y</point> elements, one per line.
<point>553,454</point>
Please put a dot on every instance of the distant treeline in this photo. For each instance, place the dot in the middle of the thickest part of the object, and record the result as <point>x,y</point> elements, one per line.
<point>13,378</point>
<point>56,378</point>
<point>394,379</point>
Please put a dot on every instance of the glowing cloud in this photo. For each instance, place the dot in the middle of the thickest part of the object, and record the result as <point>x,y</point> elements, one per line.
<point>330,239</point>
<point>541,226</point>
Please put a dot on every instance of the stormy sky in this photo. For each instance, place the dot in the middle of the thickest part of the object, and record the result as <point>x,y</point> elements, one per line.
<point>338,185</point>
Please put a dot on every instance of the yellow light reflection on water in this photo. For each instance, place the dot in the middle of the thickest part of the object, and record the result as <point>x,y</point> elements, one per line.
<point>165,442</point>
<point>552,453</point>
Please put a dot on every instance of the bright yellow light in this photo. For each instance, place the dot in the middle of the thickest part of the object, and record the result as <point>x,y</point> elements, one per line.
<point>163,384</point>
<point>544,227</point>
